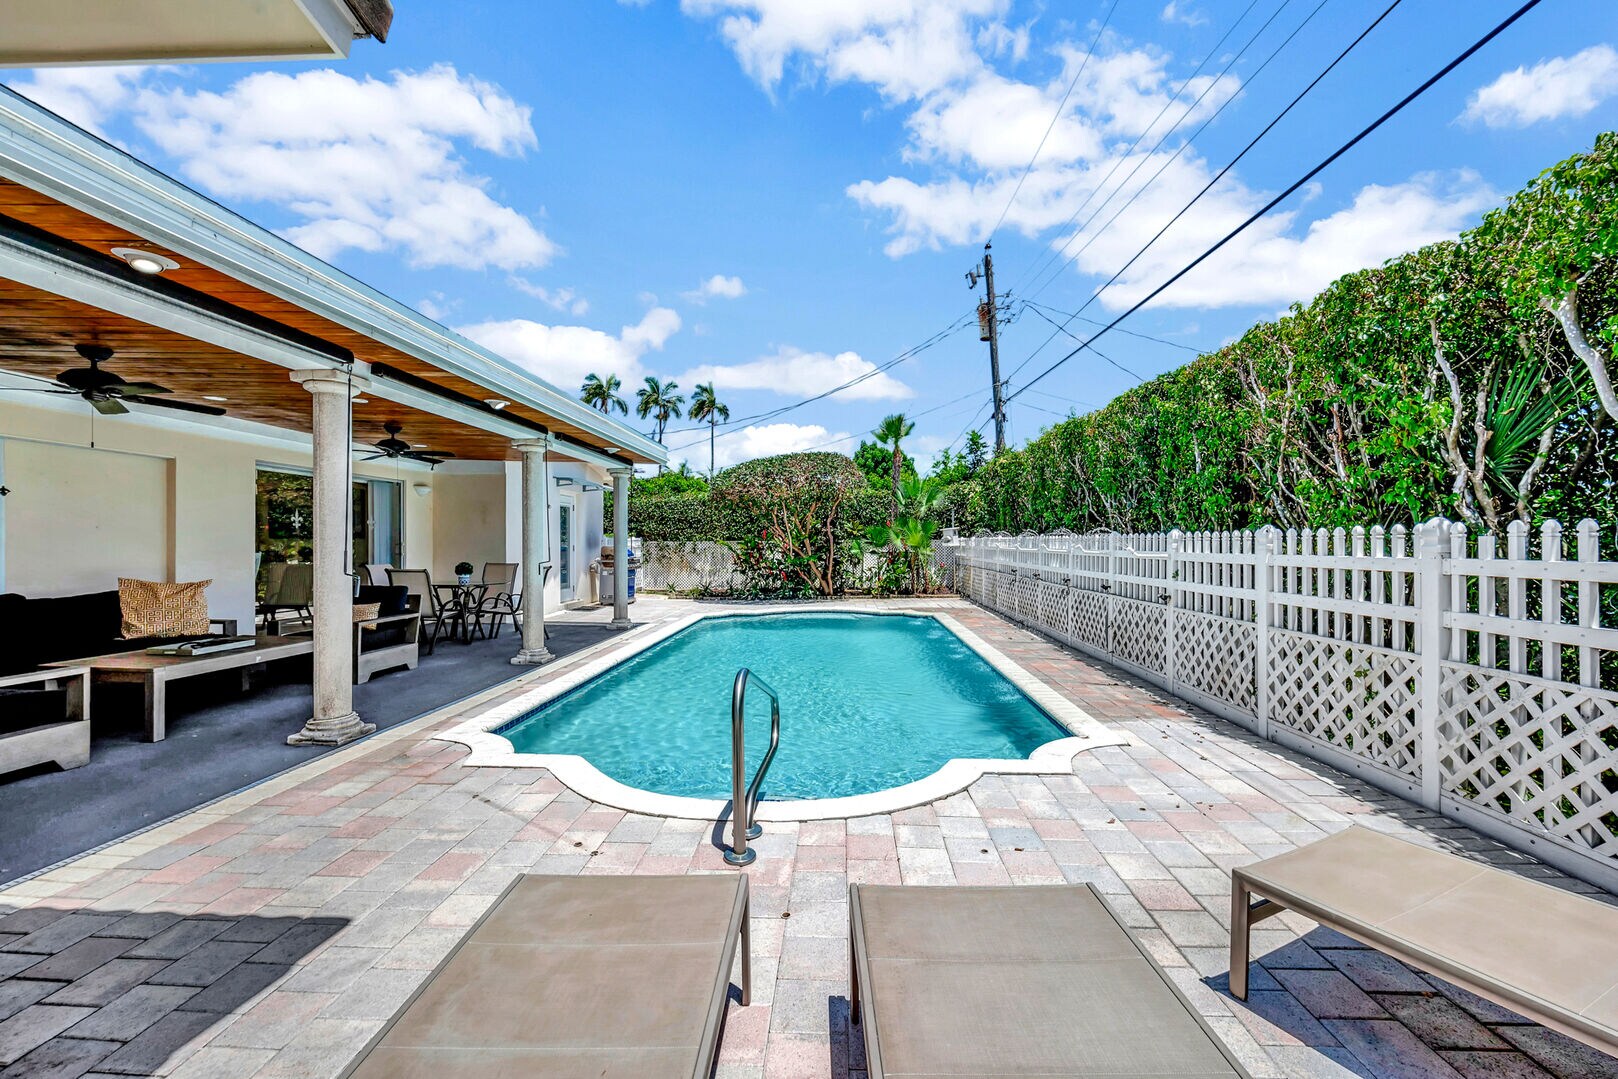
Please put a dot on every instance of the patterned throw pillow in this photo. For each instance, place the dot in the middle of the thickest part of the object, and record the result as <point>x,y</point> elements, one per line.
<point>367,613</point>
<point>163,608</point>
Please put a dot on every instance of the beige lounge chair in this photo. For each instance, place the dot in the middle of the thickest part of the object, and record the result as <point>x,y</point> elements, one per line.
<point>1016,981</point>
<point>572,976</point>
<point>1545,953</point>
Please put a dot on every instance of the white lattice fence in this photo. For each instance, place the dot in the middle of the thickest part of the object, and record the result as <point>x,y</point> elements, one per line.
<point>685,566</point>
<point>1479,679</point>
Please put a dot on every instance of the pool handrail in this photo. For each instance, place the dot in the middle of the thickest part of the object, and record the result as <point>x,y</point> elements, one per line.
<point>744,800</point>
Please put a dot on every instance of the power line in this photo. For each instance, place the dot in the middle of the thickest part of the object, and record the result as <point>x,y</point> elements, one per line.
<point>1060,105</point>
<point>1229,165</point>
<point>1056,269</point>
<point>1085,344</point>
<point>1116,165</point>
<point>1128,333</point>
<point>909,353</point>
<point>1305,178</point>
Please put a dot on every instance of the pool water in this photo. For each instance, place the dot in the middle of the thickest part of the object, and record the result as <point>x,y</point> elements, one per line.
<point>868,702</point>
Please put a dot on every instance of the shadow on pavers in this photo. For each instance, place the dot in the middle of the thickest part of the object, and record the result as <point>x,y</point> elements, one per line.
<point>123,992</point>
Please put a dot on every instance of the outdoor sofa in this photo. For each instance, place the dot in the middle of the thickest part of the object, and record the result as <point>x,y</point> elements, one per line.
<point>1016,981</point>
<point>43,716</point>
<point>564,976</point>
<point>1545,953</point>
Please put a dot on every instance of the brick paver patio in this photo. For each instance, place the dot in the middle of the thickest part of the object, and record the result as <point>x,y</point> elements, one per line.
<point>272,933</point>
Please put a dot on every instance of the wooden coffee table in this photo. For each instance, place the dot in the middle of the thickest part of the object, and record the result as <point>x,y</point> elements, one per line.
<point>154,673</point>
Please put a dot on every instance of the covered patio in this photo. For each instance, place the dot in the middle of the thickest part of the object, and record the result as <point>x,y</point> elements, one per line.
<point>160,355</point>
<point>380,855</point>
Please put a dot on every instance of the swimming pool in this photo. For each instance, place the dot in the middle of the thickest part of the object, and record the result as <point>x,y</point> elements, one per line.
<point>868,702</point>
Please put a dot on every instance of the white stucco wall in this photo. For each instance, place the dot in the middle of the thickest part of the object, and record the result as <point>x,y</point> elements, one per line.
<point>206,531</point>
<point>82,517</point>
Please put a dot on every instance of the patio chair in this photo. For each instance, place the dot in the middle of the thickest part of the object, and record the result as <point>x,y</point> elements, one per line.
<point>433,613</point>
<point>595,975</point>
<point>288,586</point>
<point>1541,951</point>
<point>376,573</point>
<point>1016,981</point>
<point>501,598</point>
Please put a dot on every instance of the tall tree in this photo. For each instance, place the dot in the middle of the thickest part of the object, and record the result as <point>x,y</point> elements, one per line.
<point>659,401</point>
<point>977,451</point>
<point>890,432</point>
<point>706,406</point>
<point>602,393</point>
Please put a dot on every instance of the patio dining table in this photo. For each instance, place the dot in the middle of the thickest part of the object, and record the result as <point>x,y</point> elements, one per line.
<point>459,604</point>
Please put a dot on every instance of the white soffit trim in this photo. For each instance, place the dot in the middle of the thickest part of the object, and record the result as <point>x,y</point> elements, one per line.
<point>45,153</point>
<point>74,32</point>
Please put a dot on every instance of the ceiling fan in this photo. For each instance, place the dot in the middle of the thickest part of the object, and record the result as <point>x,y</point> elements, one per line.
<point>395,448</point>
<point>107,392</point>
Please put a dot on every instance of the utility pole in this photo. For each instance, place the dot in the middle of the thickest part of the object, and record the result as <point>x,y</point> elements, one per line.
<point>989,330</point>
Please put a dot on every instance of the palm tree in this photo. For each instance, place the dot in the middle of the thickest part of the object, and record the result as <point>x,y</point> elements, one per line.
<point>706,406</point>
<point>658,400</point>
<point>602,393</point>
<point>889,433</point>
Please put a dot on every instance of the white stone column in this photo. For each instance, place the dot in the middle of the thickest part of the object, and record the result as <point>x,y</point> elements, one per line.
<point>620,547</point>
<point>536,549</point>
<point>334,722</point>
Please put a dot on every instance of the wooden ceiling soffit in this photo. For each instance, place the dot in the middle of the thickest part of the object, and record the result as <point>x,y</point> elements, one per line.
<point>116,268</point>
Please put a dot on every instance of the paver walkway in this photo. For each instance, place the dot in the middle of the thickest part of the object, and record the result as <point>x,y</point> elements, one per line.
<point>272,933</point>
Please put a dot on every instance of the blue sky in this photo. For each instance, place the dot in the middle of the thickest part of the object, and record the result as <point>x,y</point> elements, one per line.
<point>778,195</point>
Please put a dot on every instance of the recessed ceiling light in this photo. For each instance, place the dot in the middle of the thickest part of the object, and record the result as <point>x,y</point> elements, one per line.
<point>611,449</point>
<point>495,403</point>
<point>214,397</point>
<point>362,400</point>
<point>147,262</point>
<point>418,445</point>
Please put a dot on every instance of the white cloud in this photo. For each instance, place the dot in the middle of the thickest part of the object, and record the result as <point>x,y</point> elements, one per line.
<point>367,164</point>
<point>1174,11</point>
<point>563,355</point>
<point>1563,86</point>
<point>795,373</point>
<point>438,306</point>
<point>86,96</point>
<point>717,287</point>
<point>762,440</point>
<point>560,299</point>
<point>905,47</point>
<point>971,127</point>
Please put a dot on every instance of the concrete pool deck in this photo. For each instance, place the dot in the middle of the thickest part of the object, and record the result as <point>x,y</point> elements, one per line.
<point>270,934</point>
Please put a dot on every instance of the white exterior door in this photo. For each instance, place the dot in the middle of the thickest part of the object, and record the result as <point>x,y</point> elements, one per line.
<point>567,547</point>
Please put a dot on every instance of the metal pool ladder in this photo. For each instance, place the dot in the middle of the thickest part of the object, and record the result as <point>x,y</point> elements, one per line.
<point>744,800</point>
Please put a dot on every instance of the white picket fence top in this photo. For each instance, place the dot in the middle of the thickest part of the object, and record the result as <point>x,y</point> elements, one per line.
<point>1477,680</point>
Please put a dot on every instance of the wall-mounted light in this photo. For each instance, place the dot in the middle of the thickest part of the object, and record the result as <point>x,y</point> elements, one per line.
<point>592,487</point>
<point>146,262</point>
<point>422,489</point>
<point>564,481</point>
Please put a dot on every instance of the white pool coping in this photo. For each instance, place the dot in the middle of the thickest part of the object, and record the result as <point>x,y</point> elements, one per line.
<point>492,750</point>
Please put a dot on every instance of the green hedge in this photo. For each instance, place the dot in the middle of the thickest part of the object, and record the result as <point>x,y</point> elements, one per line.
<point>703,517</point>
<point>1369,403</point>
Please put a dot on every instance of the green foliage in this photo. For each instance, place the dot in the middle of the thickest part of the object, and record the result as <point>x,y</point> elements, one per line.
<point>680,482</point>
<point>658,400</point>
<point>602,393</point>
<point>877,464</point>
<point>909,536</point>
<point>801,499</point>
<point>1438,383</point>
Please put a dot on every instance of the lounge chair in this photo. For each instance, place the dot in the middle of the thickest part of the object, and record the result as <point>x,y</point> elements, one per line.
<point>1016,981</point>
<point>1545,953</point>
<point>572,976</point>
